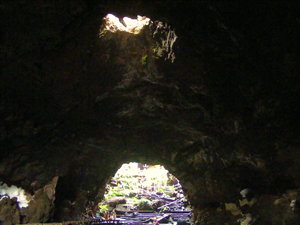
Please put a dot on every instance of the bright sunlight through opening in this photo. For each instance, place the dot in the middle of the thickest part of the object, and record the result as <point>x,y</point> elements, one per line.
<point>14,192</point>
<point>138,187</point>
<point>126,24</point>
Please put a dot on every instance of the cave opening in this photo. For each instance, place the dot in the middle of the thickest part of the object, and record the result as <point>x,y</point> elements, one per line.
<point>113,24</point>
<point>144,193</point>
<point>15,194</point>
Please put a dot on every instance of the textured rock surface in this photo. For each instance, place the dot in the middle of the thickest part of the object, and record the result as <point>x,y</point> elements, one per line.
<point>40,208</point>
<point>9,211</point>
<point>222,118</point>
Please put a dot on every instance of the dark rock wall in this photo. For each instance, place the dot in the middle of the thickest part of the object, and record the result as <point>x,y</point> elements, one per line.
<point>222,118</point>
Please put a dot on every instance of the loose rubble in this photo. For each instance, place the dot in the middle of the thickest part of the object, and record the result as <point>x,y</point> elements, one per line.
<point>143,194</point>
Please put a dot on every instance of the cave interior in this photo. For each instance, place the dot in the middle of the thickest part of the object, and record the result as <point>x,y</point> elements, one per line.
<point>209,89</point>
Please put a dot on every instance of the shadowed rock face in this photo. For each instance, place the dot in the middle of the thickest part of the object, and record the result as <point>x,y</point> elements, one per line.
<point>223,117</point>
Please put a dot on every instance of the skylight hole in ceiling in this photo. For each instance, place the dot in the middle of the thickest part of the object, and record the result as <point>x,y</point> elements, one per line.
<point>125,24</point>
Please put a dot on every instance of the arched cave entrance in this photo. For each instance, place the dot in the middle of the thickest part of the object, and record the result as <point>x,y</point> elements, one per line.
<point>144,193</point>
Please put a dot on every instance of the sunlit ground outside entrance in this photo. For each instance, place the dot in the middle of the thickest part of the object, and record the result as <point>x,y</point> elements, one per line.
<point>144,192</point>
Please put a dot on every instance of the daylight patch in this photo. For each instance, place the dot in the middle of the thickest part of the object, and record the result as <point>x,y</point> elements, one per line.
<point>125,24</point>
<point>14,192</point>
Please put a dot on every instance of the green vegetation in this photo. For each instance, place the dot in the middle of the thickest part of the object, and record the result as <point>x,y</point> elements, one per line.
<point>144,60</point>
<point>104,208</point>
<point>136,184</point>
